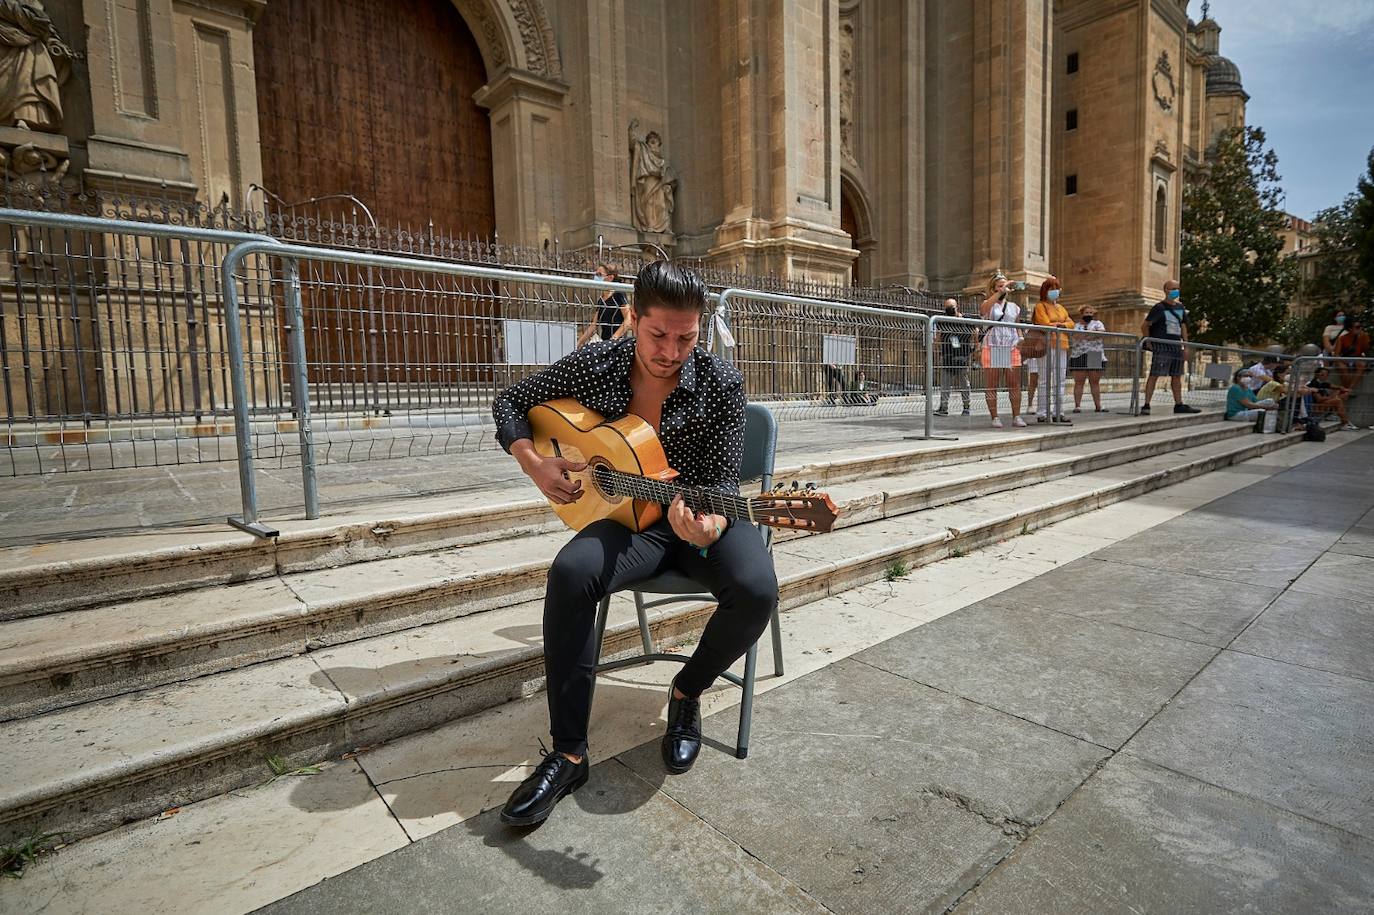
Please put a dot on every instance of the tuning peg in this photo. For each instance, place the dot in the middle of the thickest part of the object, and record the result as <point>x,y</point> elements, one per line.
<point>811,487</point>
<point>795,486</point>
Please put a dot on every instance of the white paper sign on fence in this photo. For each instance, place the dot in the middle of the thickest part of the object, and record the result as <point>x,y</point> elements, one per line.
<point>537,342</point>
<point>840,349</point>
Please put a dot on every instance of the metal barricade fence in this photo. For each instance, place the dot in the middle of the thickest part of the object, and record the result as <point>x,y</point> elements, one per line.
<point>1355,405</point>
<point>812,359</point>
<point>1203,381</point>
<point>977,371</point>
<point>402,362</point>
<point>114,342</point>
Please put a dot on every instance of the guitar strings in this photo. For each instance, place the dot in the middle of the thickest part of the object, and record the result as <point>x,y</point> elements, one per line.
<point>646,489</point>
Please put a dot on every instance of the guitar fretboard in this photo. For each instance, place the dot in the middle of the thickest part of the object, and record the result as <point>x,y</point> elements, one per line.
<point>698,498</point>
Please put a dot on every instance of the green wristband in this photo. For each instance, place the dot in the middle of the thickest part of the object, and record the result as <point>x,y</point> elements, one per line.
<point>702,550</point>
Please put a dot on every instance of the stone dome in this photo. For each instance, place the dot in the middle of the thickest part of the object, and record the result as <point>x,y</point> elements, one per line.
<point>1223,76</point>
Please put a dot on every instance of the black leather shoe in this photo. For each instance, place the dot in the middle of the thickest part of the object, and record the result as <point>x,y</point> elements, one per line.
<point>682,742</point>
<point>534,800</point>
<point>1185,408</point>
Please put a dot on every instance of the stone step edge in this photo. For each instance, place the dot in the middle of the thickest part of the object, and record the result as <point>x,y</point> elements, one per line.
<point>58,586</point>
<point>227,767</point>
<point>150,654</point>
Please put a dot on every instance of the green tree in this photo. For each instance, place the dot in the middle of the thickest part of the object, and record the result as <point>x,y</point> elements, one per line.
<point>1362,232</point>
<point>1237,282</point>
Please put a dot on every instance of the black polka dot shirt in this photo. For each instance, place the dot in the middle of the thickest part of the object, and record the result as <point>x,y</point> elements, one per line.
<point>702,427</point>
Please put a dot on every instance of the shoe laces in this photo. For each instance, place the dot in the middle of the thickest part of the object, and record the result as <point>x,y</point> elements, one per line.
<point>685,723</point>
<point>550,762</point>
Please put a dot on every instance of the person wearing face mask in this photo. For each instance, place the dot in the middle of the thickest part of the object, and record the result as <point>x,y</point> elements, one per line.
<point>1054,366</point>
<point>1332,331</point>
<point>955,342</point>
<point>612,311</point>
<point>1087,358</point>
<point>1001,360</point>
<point>1167,324</point>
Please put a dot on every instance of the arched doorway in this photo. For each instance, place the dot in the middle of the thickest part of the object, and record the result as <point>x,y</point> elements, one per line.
<point>375,100</point>
<point>854,220</point>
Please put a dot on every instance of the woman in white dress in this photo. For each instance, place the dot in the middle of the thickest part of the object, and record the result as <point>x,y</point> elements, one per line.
<point>1001,359</point>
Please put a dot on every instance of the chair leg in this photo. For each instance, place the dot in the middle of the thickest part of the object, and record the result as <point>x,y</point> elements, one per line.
<point>602,610</point>
<point>746,707</point>
<point>777,643</point>
<point>645,637</point>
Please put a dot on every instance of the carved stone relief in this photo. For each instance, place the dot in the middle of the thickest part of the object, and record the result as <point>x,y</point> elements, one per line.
<point>1162,82</point>
<point>847,90</point>
<point>534,33</point>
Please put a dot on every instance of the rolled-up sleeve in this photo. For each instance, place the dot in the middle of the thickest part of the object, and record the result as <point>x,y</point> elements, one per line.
<point>511,407</point>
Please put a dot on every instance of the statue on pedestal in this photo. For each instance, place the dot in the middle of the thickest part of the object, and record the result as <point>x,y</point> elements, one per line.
<point>34,61</point>
<point>653,183</point>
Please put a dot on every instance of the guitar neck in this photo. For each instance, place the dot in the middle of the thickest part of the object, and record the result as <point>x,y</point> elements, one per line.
<point>697,498</point>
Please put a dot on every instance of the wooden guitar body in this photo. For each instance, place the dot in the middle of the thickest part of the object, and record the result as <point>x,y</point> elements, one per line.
<point>566,428</point>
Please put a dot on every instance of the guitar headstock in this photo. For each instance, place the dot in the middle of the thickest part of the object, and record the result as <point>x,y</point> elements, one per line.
<point>797,507</point>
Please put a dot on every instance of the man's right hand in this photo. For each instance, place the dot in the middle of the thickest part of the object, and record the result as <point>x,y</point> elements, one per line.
<point>550,474</point>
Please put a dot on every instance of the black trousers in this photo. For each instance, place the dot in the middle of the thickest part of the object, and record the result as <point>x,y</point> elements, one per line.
<point>603,558</point>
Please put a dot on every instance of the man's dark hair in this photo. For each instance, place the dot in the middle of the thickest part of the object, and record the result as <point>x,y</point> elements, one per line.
<point>665,284</point>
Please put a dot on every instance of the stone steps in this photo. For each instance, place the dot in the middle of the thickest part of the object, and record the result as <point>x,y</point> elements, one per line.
<point>55,577</point>
<point>90,767</point>
<point>61,659</point>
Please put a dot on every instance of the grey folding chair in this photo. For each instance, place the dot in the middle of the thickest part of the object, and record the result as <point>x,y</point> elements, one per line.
<point>760,448</point>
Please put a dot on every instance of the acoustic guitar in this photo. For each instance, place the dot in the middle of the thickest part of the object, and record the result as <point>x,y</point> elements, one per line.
<point>628,478</point>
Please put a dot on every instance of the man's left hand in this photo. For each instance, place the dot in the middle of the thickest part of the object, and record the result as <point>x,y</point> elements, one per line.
<point>696,528</point>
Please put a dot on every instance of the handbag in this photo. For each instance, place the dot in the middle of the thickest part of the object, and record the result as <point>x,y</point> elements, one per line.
<point>1032,345</point>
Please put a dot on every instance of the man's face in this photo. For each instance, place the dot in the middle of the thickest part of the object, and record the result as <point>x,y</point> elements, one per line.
<point>664,338</point>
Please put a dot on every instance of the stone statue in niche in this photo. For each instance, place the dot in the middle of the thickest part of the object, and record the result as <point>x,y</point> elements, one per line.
<point>34,61</point>
<point>652,182</point>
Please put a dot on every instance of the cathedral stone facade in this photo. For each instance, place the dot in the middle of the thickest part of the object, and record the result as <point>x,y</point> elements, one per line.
<point>891,142</point>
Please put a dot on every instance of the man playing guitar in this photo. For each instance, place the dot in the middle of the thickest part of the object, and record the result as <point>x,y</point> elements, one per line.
<point>695,401</point>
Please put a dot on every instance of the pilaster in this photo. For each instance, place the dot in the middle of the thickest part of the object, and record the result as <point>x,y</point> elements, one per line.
<point>526,121</point>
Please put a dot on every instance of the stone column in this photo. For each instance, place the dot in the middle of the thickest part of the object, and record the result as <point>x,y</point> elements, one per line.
<point>900,148</point>
<point>1011,152</point>
<point>526,126</point>
<point>780,129</point>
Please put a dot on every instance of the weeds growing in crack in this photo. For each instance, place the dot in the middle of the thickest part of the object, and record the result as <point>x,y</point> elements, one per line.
<point>282,768</point>
<point>15,859</point>
<point>898,569</point>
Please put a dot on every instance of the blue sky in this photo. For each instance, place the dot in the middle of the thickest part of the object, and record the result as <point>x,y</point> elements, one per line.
<point>1309,68</point>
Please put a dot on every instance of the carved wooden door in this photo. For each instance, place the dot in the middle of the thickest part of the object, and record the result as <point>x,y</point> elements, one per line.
<point>374,98</point>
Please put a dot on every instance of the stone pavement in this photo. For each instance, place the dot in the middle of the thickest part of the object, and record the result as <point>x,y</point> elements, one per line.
<point>1181,722</point>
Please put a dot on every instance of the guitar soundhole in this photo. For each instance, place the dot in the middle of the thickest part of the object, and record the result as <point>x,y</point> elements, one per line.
<point>601,477</point>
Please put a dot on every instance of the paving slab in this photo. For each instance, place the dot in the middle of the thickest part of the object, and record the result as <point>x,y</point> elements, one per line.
<point>1162,601</point>
<point>1325,633</point>
<point>1275,553</point>
<point>1096,681</point>
<point>874,793</point>
<point>1339,576</point>
<point>1358,541</point>
<point>1290,736</point>
<point>229,853</point>
<point>617,845</point>
<point>1137,838</point>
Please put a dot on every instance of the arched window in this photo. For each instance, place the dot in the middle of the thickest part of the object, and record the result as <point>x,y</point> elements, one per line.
<point>1161,217</point>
